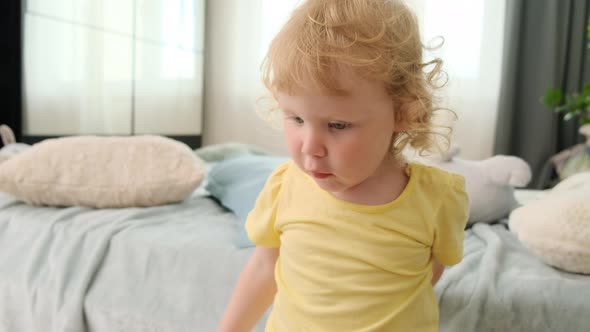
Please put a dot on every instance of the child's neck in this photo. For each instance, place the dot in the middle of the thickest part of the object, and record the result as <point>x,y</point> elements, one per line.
<point>384,186</point>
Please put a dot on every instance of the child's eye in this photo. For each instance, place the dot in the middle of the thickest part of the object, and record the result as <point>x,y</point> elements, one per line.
<point>339,125</point>
<point>294,118</point>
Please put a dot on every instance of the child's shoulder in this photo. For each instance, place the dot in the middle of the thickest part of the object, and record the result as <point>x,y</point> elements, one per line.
<point>285,169</point>
<point>434,177</point>
<point>442,187</point>
<point>286,172</point>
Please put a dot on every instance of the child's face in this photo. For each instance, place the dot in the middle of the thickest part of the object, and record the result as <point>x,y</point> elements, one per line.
<point>340,141</point>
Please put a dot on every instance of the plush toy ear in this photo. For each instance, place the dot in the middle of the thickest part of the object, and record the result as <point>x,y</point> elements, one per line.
<point>508,170</point>
<point>7,135</point>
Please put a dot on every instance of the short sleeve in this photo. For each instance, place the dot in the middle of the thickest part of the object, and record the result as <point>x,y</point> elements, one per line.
<point>449,230</point>
<point>260,224</point>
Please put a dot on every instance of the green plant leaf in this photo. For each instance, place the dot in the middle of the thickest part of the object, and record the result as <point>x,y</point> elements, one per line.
<point>561,109</point>
<point>552,97</point>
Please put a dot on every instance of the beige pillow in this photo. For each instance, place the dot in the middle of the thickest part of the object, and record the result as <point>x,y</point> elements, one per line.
<point>103,172</point>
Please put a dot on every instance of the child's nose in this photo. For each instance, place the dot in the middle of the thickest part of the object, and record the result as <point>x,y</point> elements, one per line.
<point>313,144</point>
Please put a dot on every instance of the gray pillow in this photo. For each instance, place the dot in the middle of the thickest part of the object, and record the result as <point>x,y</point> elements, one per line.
<point>219,152</point>
<point>237,182</point>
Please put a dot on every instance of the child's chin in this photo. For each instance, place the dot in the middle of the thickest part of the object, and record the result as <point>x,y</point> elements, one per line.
<point>329,185</point>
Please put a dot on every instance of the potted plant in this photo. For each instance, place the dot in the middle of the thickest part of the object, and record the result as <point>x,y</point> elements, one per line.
<point>575,105</point>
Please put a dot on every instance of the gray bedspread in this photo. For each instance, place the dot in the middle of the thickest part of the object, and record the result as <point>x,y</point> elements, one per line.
<point>172,268</point>
<point>500,286</point>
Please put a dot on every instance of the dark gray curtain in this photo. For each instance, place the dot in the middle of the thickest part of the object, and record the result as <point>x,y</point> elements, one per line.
<point>545,46</point>
<point>11,65</point>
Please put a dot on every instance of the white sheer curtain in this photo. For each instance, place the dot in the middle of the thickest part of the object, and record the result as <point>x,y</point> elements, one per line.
<point>113,67</point>
<point>238,34</point>
<point>473,31</point>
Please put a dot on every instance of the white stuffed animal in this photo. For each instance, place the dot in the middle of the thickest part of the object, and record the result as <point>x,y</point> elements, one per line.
<point>489,183</point>
<point>557,226</point>
<point>11,147</point>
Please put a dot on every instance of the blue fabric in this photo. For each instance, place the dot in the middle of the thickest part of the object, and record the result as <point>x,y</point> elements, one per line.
<point>237,182</point>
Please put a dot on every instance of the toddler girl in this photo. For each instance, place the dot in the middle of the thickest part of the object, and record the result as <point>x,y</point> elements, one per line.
<point>350,237</point>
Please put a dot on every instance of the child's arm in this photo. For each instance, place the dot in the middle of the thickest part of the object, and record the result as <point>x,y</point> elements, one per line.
<point>254,292</point>
<point>437,271</point>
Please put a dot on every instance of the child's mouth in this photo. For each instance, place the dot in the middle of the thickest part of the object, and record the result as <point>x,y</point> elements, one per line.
<point>319,175</point>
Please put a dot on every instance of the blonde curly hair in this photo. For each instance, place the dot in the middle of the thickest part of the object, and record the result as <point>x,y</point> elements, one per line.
<point>380,41</point>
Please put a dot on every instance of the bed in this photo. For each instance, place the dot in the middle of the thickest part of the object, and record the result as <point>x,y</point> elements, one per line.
<point>500,286</point>
<point>172,268</point>
<point>169,268</point>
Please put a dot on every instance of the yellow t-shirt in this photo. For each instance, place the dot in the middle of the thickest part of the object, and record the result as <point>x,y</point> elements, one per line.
<point>350,267</point>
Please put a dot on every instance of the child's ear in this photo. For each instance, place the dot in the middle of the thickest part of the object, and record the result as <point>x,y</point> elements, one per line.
<point>400,126</point>
<point>401,119</point>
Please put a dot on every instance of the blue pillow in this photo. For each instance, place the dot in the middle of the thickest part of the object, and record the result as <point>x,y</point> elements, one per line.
<point>237,182</point>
